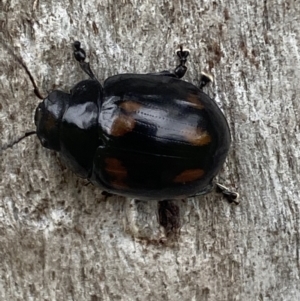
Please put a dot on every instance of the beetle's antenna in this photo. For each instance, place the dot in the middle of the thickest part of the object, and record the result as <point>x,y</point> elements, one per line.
<point>11,144</point>
<point>80,57</point>
<point>21,62</point>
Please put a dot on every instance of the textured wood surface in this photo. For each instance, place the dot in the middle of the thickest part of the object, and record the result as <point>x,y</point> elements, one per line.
<point>61,240</point>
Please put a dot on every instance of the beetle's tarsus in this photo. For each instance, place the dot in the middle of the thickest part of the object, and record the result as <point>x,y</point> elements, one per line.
<point>80,57</point>
<point>231,196</point>
<point>205,79</point>
<point>182,53</point>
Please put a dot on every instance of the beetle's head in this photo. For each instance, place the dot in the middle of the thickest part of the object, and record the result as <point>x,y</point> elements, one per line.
<point>48,114</point>
<point>48,117</point>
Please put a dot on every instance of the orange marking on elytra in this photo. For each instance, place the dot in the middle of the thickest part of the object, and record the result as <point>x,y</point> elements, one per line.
<point>130,106</point>
<point>189,175</point>
<point>121,125</point>
<point>115,167</point>
<point>117,172</point>
<point>198,137</point>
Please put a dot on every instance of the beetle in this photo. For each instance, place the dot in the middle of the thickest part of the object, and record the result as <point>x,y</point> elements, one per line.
<point>146,136</point>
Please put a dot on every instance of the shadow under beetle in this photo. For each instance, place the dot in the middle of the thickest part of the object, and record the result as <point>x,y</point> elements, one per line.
<point>146,136</point>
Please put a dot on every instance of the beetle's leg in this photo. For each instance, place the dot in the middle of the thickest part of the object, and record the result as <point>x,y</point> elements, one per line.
<point>180,70</point>
<point>205,79</point>
<point>182,53</point>
<point>80,56</point>
<point>231,196</point>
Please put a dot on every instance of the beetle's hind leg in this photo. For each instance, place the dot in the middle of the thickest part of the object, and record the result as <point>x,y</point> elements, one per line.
<point>80,56</point>
<point>182,53</point>
<point>231,196</point>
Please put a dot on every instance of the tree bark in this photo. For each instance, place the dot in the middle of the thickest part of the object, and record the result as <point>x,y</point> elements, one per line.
<point>63,240</point>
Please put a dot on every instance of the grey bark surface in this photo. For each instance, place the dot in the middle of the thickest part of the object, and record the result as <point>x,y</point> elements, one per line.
<point>60,239</point>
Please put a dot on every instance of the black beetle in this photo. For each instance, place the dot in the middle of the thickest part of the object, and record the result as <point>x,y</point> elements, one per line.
<point>147,136</point>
